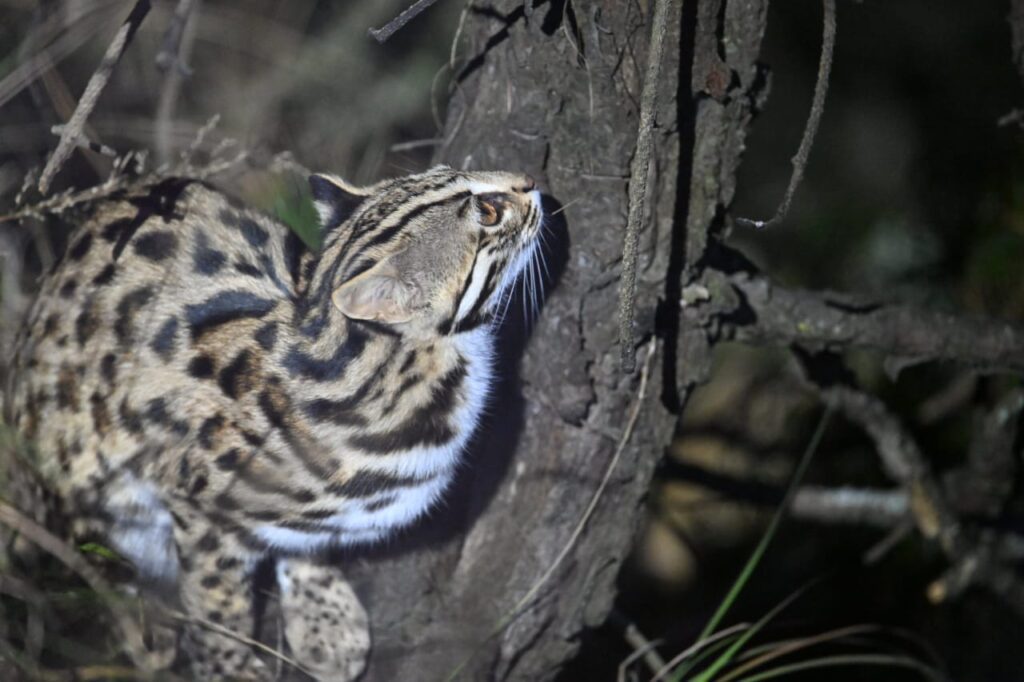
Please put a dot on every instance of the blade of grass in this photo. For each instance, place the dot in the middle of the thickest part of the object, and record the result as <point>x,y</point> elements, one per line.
<point>726,657</point>
<point>702,649</point>
<point>755,557</point>
<point>770,652</point>
<point>769,534</point>
<point>927,672</point>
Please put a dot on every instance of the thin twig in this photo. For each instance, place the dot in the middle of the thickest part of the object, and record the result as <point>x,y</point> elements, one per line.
<point>170,56</point>
<point>643,648</point>
<point>73,130</point>
<point>45,540</point>
<point>237,636</point>
<point>828,42</point>
<point>171,59</point>
<point>638,184</point>
<point>383,33</point>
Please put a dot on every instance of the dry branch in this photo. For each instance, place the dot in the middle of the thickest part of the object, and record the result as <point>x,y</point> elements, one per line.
<point>828,42</point>
<point>977,556</point>
<point>384,32</point>
<point>770,314</point>
<point>72,131</point>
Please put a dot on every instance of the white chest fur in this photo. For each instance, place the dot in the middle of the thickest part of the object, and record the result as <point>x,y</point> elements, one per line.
<point>430,469</point>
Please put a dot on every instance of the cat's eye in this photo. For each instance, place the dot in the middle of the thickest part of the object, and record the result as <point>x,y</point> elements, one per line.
<point>490,213</point>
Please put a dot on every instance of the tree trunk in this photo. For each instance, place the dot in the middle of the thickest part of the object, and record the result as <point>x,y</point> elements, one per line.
<point>554,91</point>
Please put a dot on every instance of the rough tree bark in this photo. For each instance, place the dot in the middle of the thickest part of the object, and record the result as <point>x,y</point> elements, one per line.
<point>553,90</point>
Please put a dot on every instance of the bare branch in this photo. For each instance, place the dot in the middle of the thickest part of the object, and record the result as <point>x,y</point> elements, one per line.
<point>780,316</point>
<point>977,556</point>
<point>883,508</point>
<point>72,132</point>
<point>384,32</point>
<point>828,42</point>
<point>638,183</point>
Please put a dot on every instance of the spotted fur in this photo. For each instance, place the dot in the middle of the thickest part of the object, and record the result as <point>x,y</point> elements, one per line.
<point>205,391</point>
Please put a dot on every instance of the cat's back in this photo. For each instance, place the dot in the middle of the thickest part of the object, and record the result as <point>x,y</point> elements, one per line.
<point>156,287</point>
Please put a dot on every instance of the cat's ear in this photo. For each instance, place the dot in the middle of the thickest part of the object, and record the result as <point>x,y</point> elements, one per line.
<point>378,295</point>
<point>335,200</point>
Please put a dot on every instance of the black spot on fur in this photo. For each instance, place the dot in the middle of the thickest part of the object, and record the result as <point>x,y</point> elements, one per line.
<point>50,325</point>
<point>105,276</point>
<point>209,429</point>
<point>253,233</point>
<point>108,367</point>
<point>201,367</point>
<point>229,460</point>
<point>293,250</point>
<point>157,245</point>
<point>130,419</point>
<point>67,388</point>
<point>235,378</point>
<point>86,325</point>
<point>163,342</point>
<point>127,307</point>
<point>207,260</point>
<point>198,485</point>
<point>266,336</point>
<point>248,269</point>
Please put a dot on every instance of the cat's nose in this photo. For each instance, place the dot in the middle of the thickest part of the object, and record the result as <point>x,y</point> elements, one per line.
<point>526,184</point>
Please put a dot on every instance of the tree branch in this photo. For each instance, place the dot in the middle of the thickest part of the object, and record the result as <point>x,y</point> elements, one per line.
<point>72,132</point>
<point>776,315</point>
<point>978,556</point>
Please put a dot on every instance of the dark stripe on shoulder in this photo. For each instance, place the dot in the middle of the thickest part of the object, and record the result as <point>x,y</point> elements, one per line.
<point>427,426</point>
<point>300,363</point>
<point>366,483</point>
<point>224,307</point>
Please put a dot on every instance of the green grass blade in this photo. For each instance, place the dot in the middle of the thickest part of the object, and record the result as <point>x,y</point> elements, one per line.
<point>726,657</point>
<point>769,534</point>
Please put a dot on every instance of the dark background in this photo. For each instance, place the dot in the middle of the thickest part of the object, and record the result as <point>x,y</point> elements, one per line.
<point>913,192</point>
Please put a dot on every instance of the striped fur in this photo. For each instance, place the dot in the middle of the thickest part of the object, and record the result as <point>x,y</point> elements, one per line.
<point>205,391</point>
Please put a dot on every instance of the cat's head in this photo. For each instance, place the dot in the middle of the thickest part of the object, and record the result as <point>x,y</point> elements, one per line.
<point>434,252</point>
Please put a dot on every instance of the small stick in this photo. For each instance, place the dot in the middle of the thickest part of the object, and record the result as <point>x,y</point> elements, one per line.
<point>383,33</point>
<point>638,184</point>
<point>170,50</point>
<point>73,130</point>
<point>828,43</point>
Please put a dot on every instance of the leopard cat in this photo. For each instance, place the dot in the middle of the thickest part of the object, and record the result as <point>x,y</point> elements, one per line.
<point>205,392</point>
